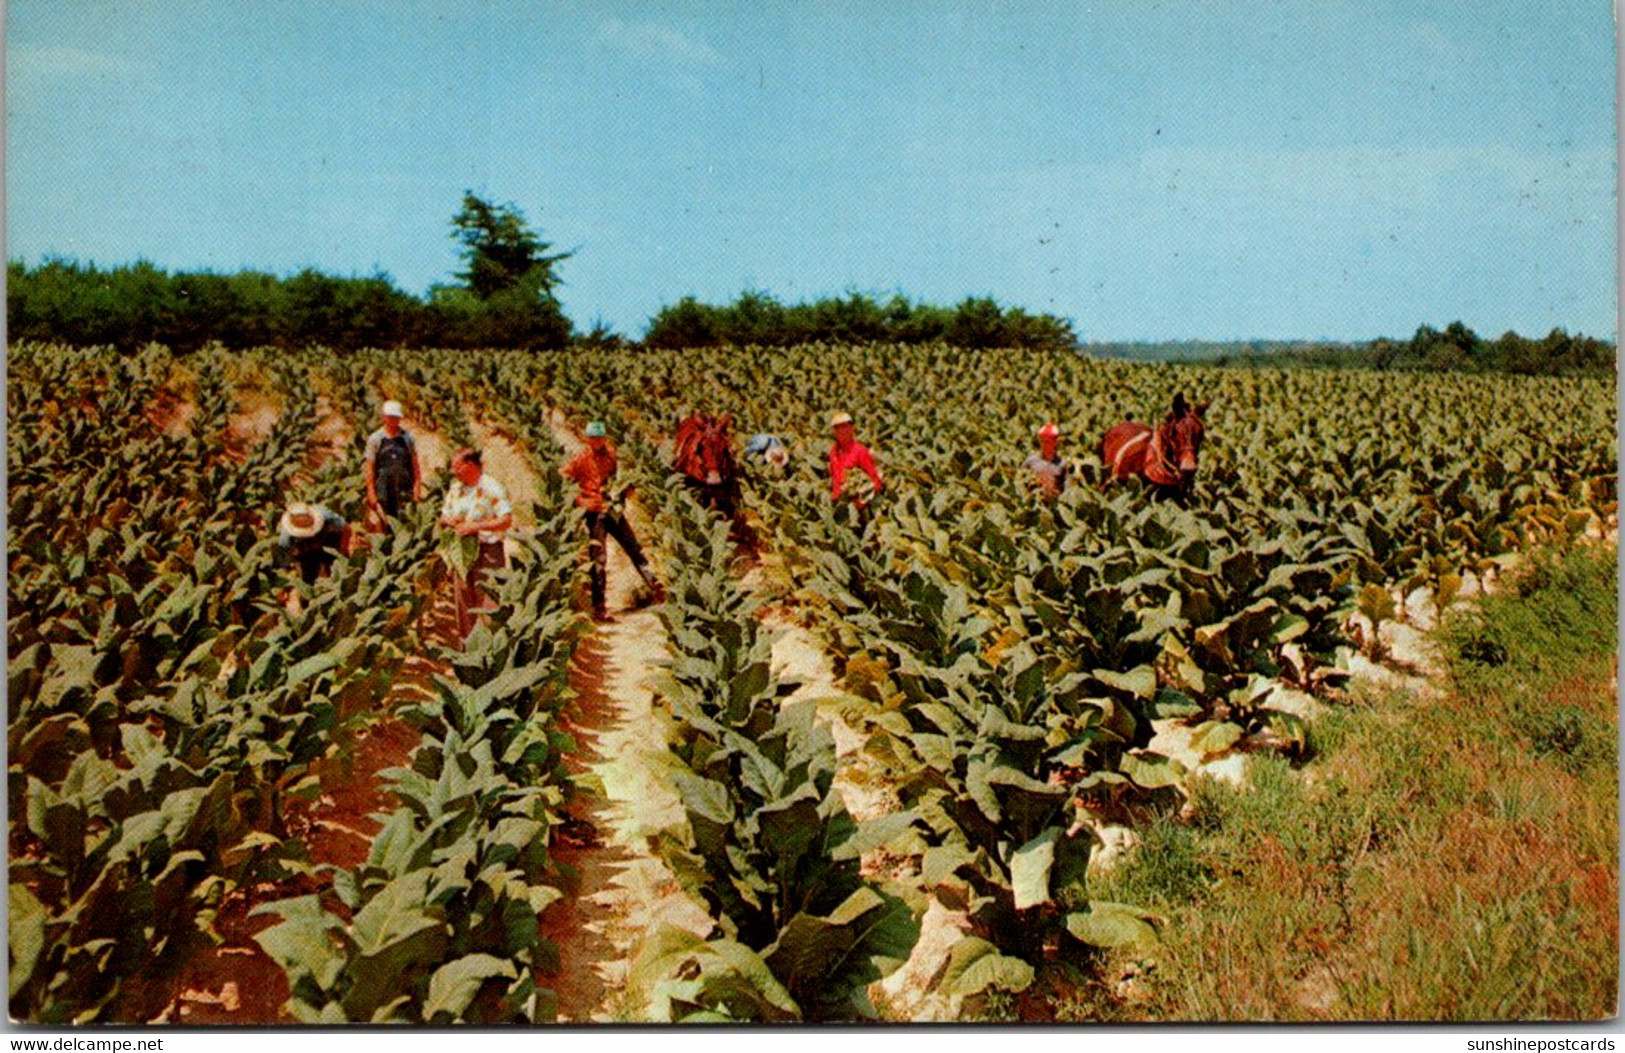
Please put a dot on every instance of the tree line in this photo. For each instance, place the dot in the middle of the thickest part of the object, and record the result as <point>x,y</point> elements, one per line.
<point>758,318</point>
<point>133,305</point>
<point>504,298</point>
<point>1456,348</point>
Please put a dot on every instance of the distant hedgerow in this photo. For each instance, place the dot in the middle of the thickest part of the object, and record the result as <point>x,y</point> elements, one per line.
<point>757,318</point>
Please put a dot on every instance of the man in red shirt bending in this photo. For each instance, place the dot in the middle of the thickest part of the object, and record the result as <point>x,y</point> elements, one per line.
<point>846,454</point>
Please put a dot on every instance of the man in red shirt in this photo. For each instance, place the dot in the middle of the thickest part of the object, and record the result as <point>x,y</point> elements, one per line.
<point>846,454</point>
<point>591,470</point>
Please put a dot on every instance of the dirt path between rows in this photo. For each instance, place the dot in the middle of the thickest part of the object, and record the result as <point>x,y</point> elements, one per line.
<point>248,426</point>
<point>508,464</point>
<point>171,410</point>
<point>624,890</point>
<point>236,982</point>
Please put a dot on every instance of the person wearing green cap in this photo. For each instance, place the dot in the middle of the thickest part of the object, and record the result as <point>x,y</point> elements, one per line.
<point>591,470</point>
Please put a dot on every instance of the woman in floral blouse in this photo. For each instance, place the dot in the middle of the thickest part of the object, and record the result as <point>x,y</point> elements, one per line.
<point>477,506</point>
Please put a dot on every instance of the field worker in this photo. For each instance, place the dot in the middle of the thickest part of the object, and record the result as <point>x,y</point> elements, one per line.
<point>591,470</point>
<point>846,454</point>
<point>315,537</point>
<point>1049,472</point>
<point>770,448</point>
<point>477,506</point>
<point>393,475</point>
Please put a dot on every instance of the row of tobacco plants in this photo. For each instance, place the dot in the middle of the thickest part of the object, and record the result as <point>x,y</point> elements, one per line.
<point>768,847</point>
<point>441,922</point>
<point>166,708</point>
<point>170,711</point>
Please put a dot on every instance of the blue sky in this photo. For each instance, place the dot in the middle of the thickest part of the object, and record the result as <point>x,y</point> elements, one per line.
<point>1178,169</point>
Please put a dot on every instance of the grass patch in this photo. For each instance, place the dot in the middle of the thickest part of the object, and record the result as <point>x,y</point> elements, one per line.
<point>1449,856</point>
<point>1167,869</point>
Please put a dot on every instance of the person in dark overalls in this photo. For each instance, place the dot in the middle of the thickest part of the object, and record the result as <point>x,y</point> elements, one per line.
<point>393,475</point>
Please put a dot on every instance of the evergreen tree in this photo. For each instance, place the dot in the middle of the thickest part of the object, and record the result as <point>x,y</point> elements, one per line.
<point>502,252</point>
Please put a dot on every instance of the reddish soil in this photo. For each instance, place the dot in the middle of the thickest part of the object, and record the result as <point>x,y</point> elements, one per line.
<point>237,983</point>
<point>247,429</point>
<point>171,413</point>
<point>577,924</point>
<point>338,826</point>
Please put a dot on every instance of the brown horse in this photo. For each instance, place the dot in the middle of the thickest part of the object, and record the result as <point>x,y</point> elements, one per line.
<point>1165,457</point>
<point>704,454</point>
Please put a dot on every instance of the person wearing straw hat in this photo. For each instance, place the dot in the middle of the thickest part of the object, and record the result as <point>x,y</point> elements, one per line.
<point>393,474</point>
<point>591,470</point>
<point>315,536</point>
<point>1048,472</point>
<point>847,453</point>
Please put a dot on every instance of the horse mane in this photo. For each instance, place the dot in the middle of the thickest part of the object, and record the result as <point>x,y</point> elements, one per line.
<point>704,444</point>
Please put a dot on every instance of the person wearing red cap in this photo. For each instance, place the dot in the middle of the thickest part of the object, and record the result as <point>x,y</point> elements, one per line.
<point>1049,472</point>
<point>847,453</point>
<point>476,506</point>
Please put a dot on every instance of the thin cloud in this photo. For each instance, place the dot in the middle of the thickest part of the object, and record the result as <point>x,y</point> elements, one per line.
<point>648,40</point>
<point>1438,44</point>
<point>67,62</point>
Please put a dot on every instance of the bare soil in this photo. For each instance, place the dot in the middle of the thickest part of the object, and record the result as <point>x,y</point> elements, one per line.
<point>509,466</point>
<point>623,889</point>
<point>331,438</point>
<point>249,426</point>
<point>171,413</point>
<point>236,982</point>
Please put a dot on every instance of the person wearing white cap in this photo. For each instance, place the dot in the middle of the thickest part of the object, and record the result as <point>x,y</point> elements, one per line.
<point>1049,472</point>
<point>393,475</point>
<point>847,453</point>
<point>315,536</point>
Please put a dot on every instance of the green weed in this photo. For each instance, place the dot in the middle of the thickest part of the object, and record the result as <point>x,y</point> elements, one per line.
<point>1167,869</point>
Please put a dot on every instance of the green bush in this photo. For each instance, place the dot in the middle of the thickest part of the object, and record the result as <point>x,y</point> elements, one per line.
<point>756,318</point>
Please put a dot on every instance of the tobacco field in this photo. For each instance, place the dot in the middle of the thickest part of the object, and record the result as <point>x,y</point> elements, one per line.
<point>999,670</point>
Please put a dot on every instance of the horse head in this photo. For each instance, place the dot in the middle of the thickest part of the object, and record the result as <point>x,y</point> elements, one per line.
<point>1178,443</point>
<point>704,448</point>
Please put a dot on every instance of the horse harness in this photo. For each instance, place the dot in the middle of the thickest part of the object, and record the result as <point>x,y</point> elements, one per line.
<point>1124,450</point>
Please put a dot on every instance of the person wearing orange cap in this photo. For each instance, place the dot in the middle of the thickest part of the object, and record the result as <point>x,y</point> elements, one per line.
<point>1049,472</point>
<point>847,453</point>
